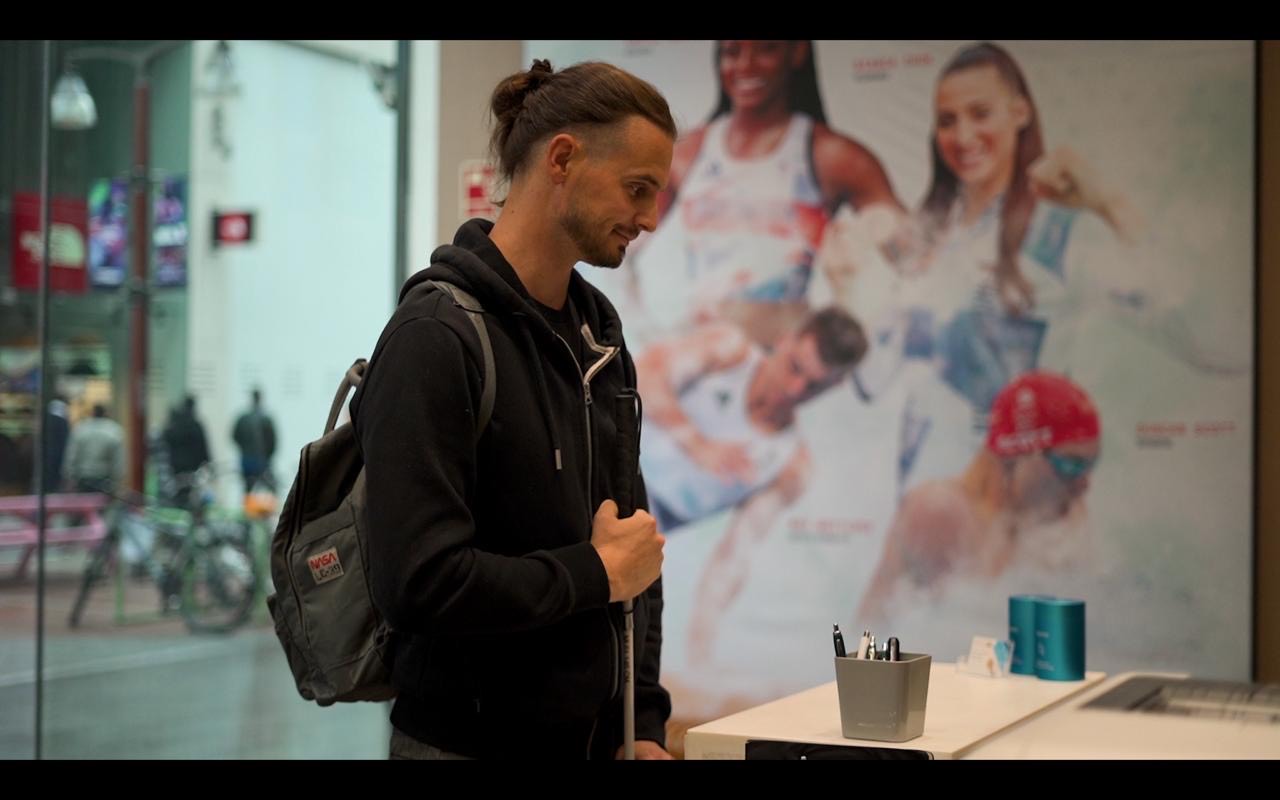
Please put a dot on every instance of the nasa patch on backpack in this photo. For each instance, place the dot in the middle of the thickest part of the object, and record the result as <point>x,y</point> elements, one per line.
<point>325,566</point>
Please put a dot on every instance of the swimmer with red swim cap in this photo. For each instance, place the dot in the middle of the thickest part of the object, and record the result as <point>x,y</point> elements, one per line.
<point>1033,473</point>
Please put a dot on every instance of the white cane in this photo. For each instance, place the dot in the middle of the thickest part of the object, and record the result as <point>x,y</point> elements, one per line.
<point>627,468</point>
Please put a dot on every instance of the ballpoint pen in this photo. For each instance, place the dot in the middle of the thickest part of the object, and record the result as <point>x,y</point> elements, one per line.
<point>838,638</point>
<point>862,645</point>
<point>892,649</point>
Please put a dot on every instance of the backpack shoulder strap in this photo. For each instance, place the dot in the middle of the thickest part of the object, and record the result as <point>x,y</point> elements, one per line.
<point>475,312</point>
<point>352,378</point>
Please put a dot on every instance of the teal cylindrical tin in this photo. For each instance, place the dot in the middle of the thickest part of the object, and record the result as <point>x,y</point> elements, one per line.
<point>1022,632</point>
<point>1059,653</point>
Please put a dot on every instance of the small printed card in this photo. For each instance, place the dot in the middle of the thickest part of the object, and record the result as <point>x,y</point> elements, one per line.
<point>988,656</point>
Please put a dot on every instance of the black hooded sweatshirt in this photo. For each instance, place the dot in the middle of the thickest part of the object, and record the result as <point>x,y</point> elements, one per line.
<point>479,551</point>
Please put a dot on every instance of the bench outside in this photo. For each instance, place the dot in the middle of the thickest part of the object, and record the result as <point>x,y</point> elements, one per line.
<point>18,523</point>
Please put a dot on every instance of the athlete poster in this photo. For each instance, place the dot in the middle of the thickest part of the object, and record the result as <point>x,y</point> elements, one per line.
<point>926,324</point>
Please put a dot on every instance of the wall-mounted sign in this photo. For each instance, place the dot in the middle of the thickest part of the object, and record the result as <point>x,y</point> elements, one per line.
<point>108,232</point>
<point>169,232</point>
<point>67,236</point>
<point>232,227</point>
<point>476,182</point>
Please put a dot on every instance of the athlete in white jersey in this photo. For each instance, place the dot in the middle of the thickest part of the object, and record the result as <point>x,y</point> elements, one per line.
<point>986,294</point>
<point>752,225</point>
<point>719,432</point>
<point>687,485</point>
<point>960,344</point>
<point>750,195</point>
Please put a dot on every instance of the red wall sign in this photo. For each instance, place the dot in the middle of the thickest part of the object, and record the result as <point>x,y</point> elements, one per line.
<point>232,227</point>
<point>68,243</point>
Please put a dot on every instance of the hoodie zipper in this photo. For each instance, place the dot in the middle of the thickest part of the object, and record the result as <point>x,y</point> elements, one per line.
<point>606,355</point>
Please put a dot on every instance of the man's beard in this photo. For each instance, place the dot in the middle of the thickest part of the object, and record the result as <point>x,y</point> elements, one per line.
<point>594,251</point>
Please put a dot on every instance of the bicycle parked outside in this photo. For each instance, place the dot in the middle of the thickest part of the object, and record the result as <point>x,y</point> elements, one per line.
<point>204,566</point>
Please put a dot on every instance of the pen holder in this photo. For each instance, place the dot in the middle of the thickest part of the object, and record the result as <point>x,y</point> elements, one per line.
<point>883,700</point>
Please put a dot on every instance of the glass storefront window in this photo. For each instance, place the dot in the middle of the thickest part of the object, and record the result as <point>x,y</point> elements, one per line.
<point>163,326</point>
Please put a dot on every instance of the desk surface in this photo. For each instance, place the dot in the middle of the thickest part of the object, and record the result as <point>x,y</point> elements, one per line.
<point>962,711</point>
<point>1069,731</point>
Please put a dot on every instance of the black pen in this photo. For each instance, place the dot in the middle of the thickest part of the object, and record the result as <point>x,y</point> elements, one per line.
<point>839,641</point>
<point>892,647</point>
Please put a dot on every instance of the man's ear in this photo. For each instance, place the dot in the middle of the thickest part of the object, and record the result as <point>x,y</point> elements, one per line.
<point>562,151</point>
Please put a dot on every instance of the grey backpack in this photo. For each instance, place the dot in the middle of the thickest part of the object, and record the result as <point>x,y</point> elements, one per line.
<point>337,644</point>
